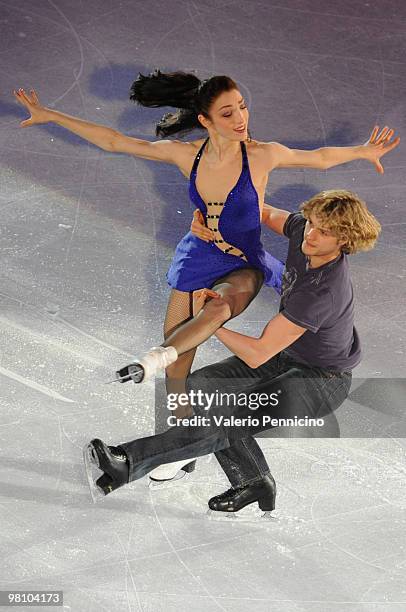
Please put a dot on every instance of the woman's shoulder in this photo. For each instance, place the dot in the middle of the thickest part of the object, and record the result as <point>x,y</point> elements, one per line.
<point>196,144</point>
<point>186,154</point>
<point>258,146</point>
<point>189,148</point>
<point>259,151</point>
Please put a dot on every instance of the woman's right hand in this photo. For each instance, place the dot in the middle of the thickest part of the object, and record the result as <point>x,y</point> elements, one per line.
<point>38,113</point>
<point>199,229</point>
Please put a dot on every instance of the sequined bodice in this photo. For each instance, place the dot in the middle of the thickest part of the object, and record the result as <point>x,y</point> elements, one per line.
<point>215,213</point>
<point>236,224</point>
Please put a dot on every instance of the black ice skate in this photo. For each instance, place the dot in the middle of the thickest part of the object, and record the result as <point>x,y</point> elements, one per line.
<point>111,461</point>
<point>262,491</point>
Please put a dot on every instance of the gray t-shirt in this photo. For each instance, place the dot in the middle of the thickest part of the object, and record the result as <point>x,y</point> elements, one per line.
<point>322,301</point>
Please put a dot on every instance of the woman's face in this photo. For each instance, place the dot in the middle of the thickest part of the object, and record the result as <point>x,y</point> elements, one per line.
<point>228,116</point>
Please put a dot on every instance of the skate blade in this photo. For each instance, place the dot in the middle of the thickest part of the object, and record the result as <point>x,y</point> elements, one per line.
<point>93,472</point>
<point>154,485</point>
<point>136,373</point>
<point>245,515</point>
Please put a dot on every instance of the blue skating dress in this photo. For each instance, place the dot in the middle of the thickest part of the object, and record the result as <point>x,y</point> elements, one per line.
<point>237,245</point>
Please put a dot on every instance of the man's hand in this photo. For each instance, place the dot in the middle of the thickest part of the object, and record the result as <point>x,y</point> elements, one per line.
<point>379,144</point>
<point>199,229</point>
<point>200,297</point>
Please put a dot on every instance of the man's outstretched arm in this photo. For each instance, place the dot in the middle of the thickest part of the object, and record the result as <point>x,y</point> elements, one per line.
<point>277,335</point>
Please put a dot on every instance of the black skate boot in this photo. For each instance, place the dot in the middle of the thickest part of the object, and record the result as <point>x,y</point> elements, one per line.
<point>112,461</point>
<point>262,491</point>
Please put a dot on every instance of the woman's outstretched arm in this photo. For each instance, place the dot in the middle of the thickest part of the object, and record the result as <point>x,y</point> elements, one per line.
<point>104,137</point>
<point>379,144</point>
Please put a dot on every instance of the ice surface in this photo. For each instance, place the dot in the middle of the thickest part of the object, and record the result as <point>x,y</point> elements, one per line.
<point>86,239</point>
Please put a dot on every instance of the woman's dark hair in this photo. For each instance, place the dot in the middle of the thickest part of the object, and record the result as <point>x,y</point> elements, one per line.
<point>182,90</point>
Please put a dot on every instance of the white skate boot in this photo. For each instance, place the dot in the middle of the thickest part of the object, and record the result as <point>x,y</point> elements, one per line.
<point>168,473</point>
<point>141,370</point>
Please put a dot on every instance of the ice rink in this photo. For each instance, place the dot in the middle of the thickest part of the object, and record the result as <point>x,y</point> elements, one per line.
<point>86,239</point>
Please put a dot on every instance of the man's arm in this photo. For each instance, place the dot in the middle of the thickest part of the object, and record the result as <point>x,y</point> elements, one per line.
<point>379,144</point>
<point>277,335</point>
<point>274,218</point>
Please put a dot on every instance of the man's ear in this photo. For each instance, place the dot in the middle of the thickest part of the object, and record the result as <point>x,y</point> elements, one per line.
<point>343,246</point>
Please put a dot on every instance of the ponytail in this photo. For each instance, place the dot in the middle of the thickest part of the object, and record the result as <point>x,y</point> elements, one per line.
<point>183,91</point>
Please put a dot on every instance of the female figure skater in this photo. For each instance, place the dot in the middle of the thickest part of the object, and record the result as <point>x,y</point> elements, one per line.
<point>228,174</point>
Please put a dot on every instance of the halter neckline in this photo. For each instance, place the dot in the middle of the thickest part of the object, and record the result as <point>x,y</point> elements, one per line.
<point>196,164</point>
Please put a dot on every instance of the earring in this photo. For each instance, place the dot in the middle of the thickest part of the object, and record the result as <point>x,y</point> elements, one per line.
<point>249,139</point>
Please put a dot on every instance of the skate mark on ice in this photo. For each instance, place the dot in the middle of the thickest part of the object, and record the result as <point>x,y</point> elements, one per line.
<point>337,546</point>
<point>97,340</point>
<point>176,553</point>
<point>59,346</point>
<point>77,74</point>
<point>61,463</point>
<point>125,554</point>
<point>33,385</point>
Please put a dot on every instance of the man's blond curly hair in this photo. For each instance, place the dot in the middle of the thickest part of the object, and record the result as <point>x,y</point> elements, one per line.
<point>346,216</point>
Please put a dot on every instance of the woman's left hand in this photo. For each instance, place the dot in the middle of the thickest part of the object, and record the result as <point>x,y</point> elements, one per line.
<point>379,144</point>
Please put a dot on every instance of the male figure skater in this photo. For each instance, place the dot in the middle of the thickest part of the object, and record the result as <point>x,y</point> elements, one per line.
<point>304,356</point>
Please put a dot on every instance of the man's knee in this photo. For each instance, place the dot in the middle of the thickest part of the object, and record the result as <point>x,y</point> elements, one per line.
<point>201,380</point>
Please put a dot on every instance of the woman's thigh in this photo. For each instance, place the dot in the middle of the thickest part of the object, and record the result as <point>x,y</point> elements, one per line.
<point>239,288</point>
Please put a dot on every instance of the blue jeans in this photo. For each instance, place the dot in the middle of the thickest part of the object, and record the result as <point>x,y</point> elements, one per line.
<point>302,391</point>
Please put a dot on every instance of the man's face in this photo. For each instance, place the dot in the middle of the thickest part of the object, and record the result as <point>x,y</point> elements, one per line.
<point>319,241</point>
